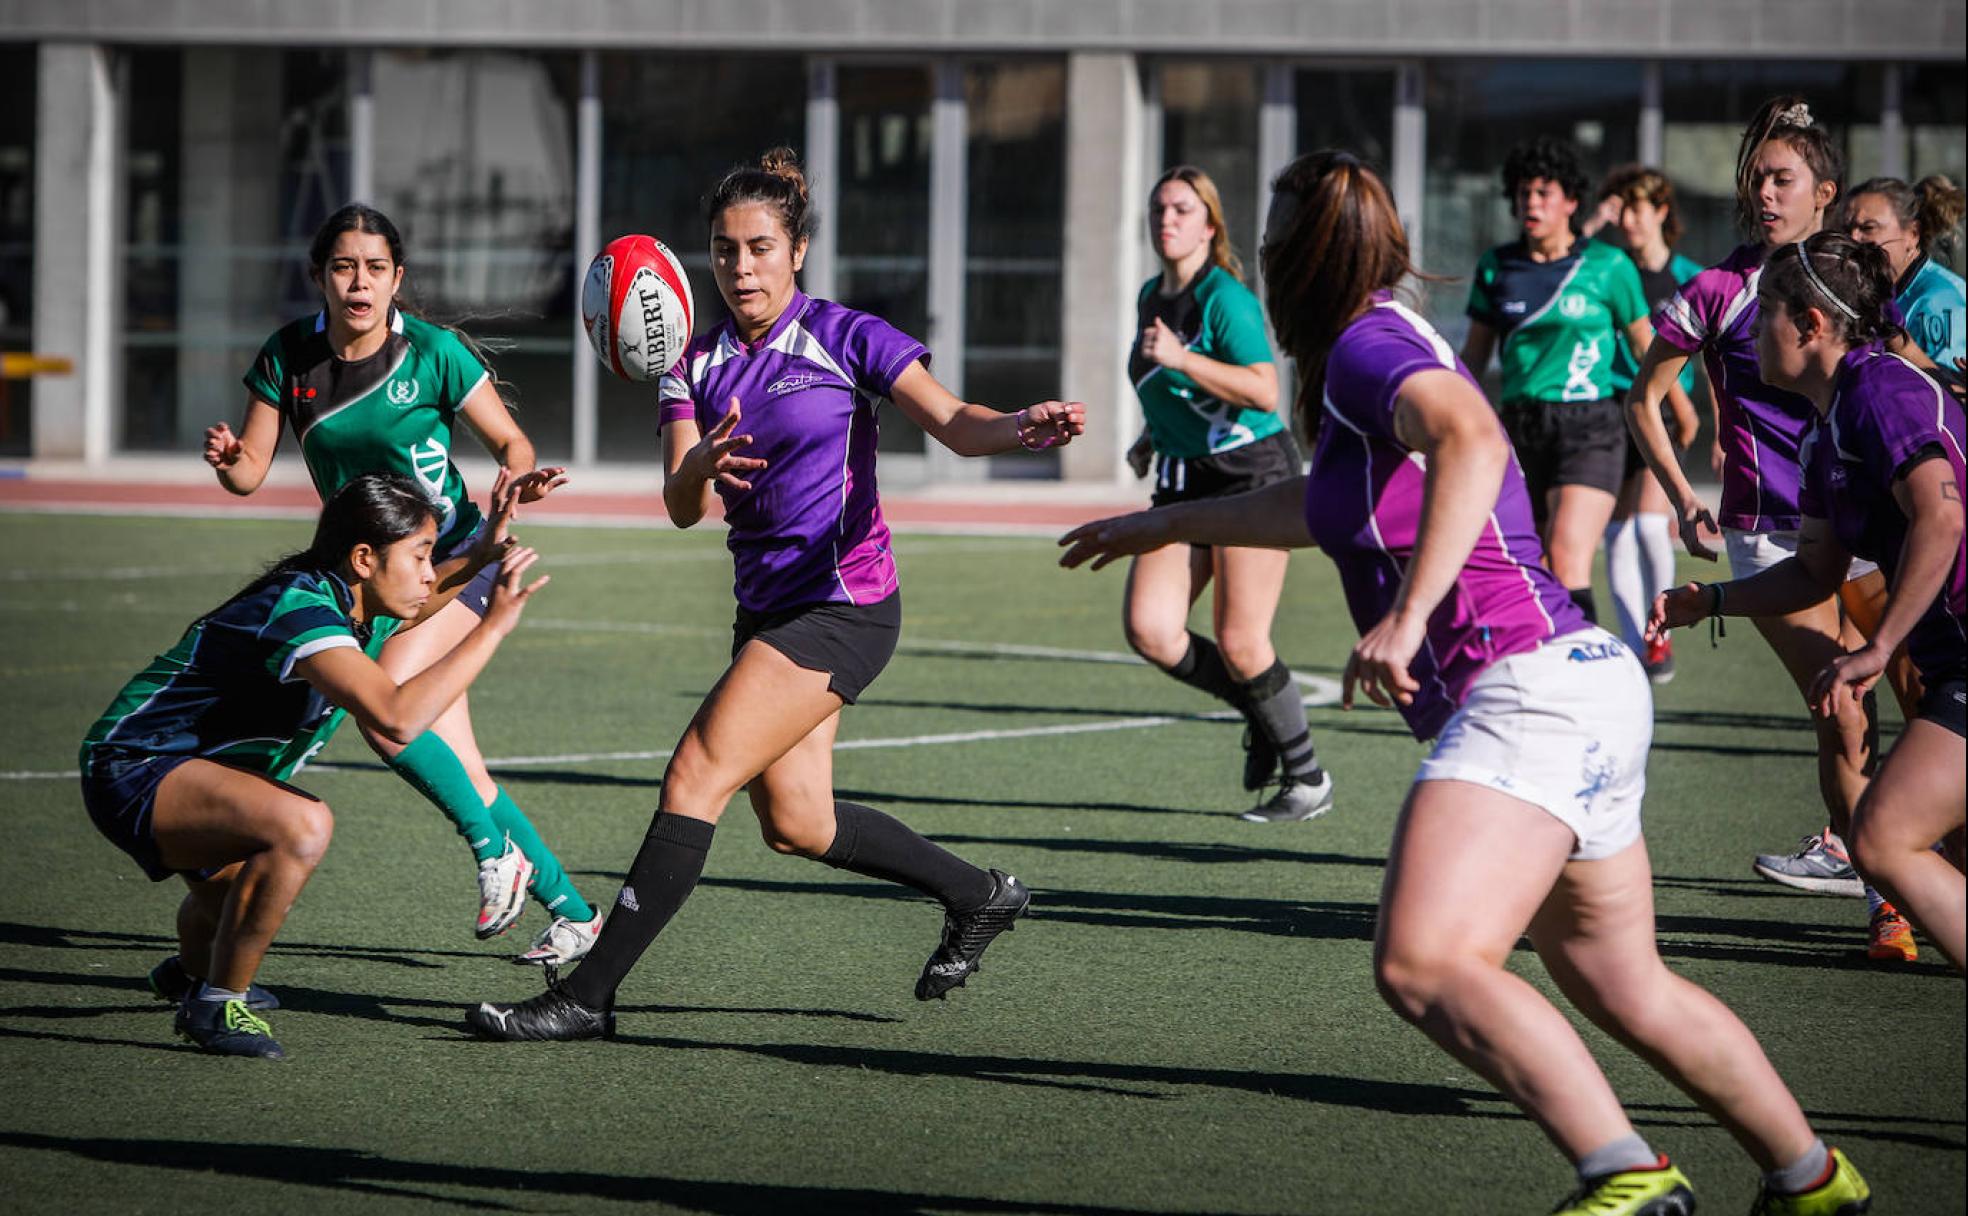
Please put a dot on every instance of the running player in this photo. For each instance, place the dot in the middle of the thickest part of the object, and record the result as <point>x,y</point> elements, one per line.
<point>366,388</point>
<point>1526,816</point>
<point>186,771</point>
<point>1883,479</point>
<point>1202,369</point>
<point>1909,223</point>
<point>1558,303</point>
<point>1787,172</point>
<point>1640,540</point>
<point>774,411</point>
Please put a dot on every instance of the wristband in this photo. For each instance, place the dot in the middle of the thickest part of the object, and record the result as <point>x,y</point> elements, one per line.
<point>1715,609</point>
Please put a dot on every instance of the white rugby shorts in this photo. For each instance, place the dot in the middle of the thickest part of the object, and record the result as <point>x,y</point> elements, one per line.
<point>1565,728</point>
<point>1754,552</point>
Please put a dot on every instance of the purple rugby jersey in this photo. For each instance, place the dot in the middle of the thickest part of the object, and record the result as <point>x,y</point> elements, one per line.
<point>1883,411</point>
<point>1761,427</point>
<point>1363,507</point>
<point>810,529</point>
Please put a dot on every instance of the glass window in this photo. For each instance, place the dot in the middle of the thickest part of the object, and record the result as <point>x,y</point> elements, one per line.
<point>882,225</point>
<point>1209,119</point>
<point>1477,111</point>
<point>671,127</point>
<point>17,121</point>
<point>1014,239</point>
<point>1704,109</point>
<point>233,158</point>
<point>1934,110</point>
<point>1351,109</point>
<point>475,164</point>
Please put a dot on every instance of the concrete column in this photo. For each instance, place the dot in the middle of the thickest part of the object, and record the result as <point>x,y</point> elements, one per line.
<point>1277,144</point>
<point>230,211</point>
<point>1103,258</point>
<point>822,160</point>
<point>1892,127</point>
<point>78,281</point>
<point>1652,145</point>
<point>949,175</point>
<point>587,243</point>
<point>362,127</point>
<point>1410,154</point>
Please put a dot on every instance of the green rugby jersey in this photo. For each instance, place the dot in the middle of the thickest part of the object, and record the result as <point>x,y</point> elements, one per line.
<point>227,690</point>
<point>1558,321</point>
<point>390,413</point>
<point>1218,317</point>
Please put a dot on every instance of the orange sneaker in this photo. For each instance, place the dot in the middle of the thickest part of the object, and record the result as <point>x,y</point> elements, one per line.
<point>1892,937</point>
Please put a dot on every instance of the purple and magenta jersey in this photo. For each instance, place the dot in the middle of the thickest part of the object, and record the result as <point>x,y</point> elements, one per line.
<point>1761,427</point>
<point>1884,412</point>
<point>810,529</point>
<point>1363,507</point>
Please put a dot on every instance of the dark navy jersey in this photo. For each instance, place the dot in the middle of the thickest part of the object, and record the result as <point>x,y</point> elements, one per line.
<point>228,689</point>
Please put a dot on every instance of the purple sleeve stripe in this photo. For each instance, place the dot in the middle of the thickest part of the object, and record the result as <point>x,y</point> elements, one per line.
<point>676,411</point>
<point>896,366</point>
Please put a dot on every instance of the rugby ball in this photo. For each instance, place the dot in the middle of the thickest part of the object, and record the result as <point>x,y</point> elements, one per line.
<point>636,307</point>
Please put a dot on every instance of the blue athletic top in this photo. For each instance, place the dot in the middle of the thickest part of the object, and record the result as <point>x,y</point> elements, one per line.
<point>1932,300</point>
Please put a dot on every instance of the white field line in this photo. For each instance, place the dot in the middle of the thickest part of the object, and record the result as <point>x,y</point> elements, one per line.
<point>1318,691</point>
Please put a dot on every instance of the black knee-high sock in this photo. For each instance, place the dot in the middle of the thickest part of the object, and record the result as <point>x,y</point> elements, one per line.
<point>666,870</point>
<point>1582,596</point>
<point>1201,667</point>
<point>881,846</point>
<point>1276,709</point>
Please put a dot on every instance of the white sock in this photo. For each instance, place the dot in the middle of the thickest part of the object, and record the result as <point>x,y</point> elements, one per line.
<point>1623,571</point>
<point>208,992</point>
<point>1656,553</point>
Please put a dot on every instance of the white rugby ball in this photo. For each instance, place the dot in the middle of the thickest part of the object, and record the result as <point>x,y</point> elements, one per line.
<point>636,307</point>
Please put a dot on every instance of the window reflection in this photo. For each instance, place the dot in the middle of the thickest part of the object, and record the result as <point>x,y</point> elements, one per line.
<point>1209,119</point>
<point>17,121</point>
<point>1934,110</point>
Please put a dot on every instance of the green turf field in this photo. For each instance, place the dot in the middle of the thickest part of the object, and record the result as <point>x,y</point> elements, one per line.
<point>1186,1024</point>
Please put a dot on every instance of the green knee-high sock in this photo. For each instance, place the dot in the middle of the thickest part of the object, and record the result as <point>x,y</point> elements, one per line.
<point>434,770</point>
<point>551,886</point>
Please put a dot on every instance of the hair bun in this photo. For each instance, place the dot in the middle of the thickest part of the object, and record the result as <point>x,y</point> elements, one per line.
<point>783,162</point>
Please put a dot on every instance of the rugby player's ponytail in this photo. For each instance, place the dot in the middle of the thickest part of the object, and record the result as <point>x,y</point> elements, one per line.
<point>375,509</point>
<point>1339,245</point>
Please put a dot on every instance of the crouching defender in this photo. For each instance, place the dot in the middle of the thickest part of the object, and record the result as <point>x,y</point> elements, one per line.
<point>185,770</point>
<point>1526,816</point>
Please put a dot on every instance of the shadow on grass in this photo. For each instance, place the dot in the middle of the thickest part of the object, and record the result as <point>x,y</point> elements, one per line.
<point>354,1170</point>
<point>1204,852</point>
<point>50,937</point>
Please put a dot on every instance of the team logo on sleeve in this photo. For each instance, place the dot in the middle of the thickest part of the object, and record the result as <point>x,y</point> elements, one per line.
<point>401,392</point>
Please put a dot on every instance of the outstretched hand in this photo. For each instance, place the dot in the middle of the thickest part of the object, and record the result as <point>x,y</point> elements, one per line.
<point>1678,607</point>
<point>502,509</point>
<point>715,456</point>
<point>1847,676</point>
<point>509,596</point>
<point>539,483</point>
<point>1050,424</point>
<point>1109,540</point>
<point>222,447</point>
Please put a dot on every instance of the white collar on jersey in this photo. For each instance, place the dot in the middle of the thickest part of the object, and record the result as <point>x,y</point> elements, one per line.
<point>396,320</point>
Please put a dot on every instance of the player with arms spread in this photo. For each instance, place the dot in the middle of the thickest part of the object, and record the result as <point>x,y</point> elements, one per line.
<point>366,388</point>
<point>1526,815</point>
<point>186,771</point>
<point>774,412</point>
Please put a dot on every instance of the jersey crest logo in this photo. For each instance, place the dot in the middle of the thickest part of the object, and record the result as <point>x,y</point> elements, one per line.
<point>1572,304</point>
<point>1579,385</point>
<point>792,382</point>
<point>401,392</point>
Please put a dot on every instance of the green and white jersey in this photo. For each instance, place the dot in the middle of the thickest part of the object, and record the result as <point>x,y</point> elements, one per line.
<point>1559,321</point>
<point>1218,317</point>
<point>390,413</point>
<point>227,690</point>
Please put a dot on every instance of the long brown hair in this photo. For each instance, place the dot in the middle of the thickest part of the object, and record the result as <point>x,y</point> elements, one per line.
<point>1849,282</point>
<point>1324,261</point>
<point>1934,204</point>
<point>1640,184</point>
<point>1789,120</point>
<point>1220,253</point>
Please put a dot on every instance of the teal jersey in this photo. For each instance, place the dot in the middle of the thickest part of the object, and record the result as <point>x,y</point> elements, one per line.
<point>227,691</point>
<point>1558,321</point>
<point>1657,286</point>
<point>1218,317</point>
<point>390,413</point>
<point>1931,299</point>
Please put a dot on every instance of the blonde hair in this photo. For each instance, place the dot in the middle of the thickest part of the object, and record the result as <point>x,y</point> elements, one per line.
<point>1189,175</point>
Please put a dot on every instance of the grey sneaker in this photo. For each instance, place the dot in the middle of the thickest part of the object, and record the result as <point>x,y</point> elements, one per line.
<point>1294,802</point>
<point>1819,865</point>
<point>502,884</point>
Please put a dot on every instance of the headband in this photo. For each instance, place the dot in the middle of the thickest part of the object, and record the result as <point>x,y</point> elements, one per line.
<point>1804,256</point>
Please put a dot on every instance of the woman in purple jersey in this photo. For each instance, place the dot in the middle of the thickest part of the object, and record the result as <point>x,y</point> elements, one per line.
<point>1787,173</point>
<point>1882,479</point>
<point>1526,815</point>
<point>818,609</point>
